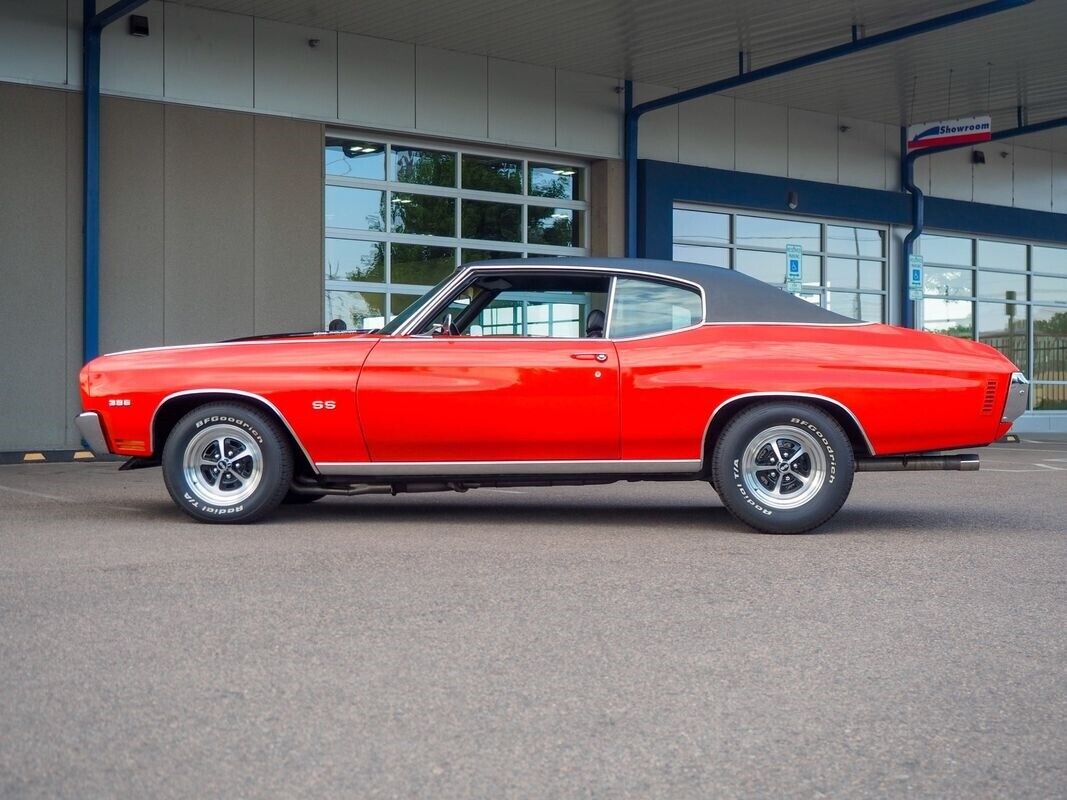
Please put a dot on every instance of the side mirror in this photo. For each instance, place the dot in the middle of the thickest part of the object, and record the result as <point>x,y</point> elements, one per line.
<point>443,328</point>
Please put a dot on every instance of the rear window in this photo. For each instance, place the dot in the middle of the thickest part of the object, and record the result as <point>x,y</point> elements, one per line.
<point>642,307</point>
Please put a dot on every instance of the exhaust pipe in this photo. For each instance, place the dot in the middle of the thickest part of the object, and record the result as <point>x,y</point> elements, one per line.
<point>967,462</point>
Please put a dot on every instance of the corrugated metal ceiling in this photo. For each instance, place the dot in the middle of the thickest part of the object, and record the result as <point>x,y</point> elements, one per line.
<point>992,64</point>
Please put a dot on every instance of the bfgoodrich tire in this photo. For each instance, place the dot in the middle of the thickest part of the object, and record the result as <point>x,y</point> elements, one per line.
<point>783,467</point>
<point>227,462</point>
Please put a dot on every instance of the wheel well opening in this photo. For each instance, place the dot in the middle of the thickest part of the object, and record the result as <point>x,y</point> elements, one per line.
<point>733,408</point>
<point>177,407</point>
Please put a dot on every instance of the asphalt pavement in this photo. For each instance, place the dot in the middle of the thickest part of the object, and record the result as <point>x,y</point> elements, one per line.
<point>631,640</point>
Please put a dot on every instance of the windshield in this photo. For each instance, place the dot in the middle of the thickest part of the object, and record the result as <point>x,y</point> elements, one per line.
<point>414,308</point>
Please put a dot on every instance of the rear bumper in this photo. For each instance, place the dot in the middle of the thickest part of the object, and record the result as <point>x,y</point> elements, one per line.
<point>92,432</point>
<point>1018,397</point>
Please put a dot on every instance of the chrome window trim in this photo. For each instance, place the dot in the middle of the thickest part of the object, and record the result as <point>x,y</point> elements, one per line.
<point>577,467</point>
<point>805,395</point>
<point>237,393</point>
<point>614,272</point>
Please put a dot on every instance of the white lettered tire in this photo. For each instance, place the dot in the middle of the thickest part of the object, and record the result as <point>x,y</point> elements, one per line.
<point>783,467</point>
<point>227,462</point>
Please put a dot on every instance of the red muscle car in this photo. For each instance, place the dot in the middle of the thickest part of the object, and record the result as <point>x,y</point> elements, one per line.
<point>557,372</point>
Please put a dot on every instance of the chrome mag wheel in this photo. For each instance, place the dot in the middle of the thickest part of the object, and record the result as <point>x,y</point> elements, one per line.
<point>223,465</point>
<point>784,467</point>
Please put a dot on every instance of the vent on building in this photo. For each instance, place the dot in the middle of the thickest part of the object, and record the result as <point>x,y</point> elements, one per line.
<point>990,397</point>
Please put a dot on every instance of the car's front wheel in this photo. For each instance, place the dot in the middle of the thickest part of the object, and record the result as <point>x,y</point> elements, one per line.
<point>227,462</point>
<point>783,467</point>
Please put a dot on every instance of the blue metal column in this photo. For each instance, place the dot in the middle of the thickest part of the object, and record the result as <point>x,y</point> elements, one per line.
<point>857,44</point>
<point>93,25</point>
<point>629,146</point>
<point>918,199</point>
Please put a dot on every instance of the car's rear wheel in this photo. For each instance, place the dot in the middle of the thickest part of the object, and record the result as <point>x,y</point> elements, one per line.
<point>227,462</point>
<point>783,467</point>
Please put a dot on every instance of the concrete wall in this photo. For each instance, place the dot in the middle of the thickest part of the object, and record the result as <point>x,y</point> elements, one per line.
<point>211,228</point>
<point>210,58</point>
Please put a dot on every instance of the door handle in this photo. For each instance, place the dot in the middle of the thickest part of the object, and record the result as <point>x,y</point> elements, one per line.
<point>601,357</point>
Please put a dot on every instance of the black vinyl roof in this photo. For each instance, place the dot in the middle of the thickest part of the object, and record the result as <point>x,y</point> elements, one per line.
<point>731,296</point>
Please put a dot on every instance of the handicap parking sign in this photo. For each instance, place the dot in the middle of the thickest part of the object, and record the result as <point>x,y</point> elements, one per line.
<point>793,256</point>
<point>915,277</point>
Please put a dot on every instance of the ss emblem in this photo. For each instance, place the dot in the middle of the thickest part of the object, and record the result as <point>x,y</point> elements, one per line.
<point>319,405</point>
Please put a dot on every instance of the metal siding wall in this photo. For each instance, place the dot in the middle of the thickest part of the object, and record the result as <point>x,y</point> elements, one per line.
<point>588,114</point>
<point>35,265</point>
<point>706,132</point>
<point>1033,179</point>
<point>292,76</point>
<point>762,138</point>
<point>132,224</point>
<point>522,103</point>
<point>451,93</point>
<point>1059,183</point>
<point>209,244</point>
<point>288,225</point>
<point>659,130</point>
<point>74,260</point>
<point>208,56</point>
<point>33,40</point>
<point>813,146</point>
<point>861,153</point>
<point>133,64</point>
<point>388,101</point>
<point>950,175</point>
<point>993,179</point>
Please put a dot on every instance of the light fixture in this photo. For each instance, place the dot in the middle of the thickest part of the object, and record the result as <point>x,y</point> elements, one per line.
<point>563,172</point>
<point>313,43</point>
<point>977,157</point>
<point>561,216</point>
<point>792,199</point>
<point>138,25</point>
<point>404,200</point>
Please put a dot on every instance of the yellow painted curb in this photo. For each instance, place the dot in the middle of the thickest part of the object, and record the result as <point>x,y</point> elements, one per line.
<point>34,457</point>
<point>82,454</point>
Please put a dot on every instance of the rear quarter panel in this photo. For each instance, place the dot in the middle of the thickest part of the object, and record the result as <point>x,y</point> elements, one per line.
<point>910,391</point>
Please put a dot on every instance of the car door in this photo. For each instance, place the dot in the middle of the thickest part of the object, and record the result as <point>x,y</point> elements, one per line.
<point>505,395</point>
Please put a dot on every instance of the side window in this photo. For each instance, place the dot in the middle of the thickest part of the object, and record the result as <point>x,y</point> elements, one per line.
<point>643,307</point>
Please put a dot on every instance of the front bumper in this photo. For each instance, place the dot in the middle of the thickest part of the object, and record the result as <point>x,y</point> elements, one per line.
<point>92,432</point>
<point>1018,397</point>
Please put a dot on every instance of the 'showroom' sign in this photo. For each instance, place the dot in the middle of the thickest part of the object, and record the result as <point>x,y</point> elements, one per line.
<point>952,131</point>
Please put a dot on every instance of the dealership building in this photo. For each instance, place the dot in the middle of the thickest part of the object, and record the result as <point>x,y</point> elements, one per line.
<point>241,167</point>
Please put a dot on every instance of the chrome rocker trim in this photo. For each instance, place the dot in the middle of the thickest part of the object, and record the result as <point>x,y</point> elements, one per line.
<point>1018,397</point>
<point>88,424</point>
<point>388,469</point>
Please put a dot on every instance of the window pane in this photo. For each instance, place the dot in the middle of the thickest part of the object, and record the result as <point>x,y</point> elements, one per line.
<point>866,307</point>
<point>1049,259</point>
<point>854,241</point>
<point>644,307</point>
<point>1001,285</point>
<point>1049,396</point>
<point>1049,290</point>
<point>770,267</point>
<point>1002,255</point>
<point>400,302</point>
<point>1050,344</point>
<point>953,317</point>
<point>468,255</point>
<point>353,260</point>
<point>556,226</point>
<point>428,167</point>
<point>715,256</point>
<point>554,180</point>
<point>488,174</point>
<point>359,310</point>
<point>852,273</point>
<point>946,250</point>
<point>501,222</point>
<point>353,159</point>
<point>777,233</point>
<point>701,226</point>
<point>424,214</point>
<point>421,265</point>
<point>948,282</point>
<point>362,209</point>
<point>1004,326</point>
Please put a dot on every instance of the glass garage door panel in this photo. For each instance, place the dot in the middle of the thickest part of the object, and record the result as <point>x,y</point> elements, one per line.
<point>401,215</point>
